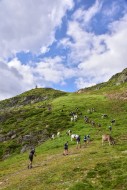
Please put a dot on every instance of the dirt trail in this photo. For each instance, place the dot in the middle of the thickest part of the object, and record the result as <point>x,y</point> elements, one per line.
<point>41,165</point>
<point>46,163</point>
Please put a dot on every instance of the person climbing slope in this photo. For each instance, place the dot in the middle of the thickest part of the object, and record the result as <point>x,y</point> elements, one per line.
<point>65,149</point>
<point>31,155</point>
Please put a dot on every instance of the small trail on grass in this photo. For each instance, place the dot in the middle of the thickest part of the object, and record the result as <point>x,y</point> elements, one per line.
<point>37,168</point>
<point>46,163</point>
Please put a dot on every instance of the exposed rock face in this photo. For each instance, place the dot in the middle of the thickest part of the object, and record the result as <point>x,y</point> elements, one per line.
<point>24,141</point>
<point>2,138</point>
<point>32,99</point>
<point>10,133</point>
<point>119,78</point>
<point>122,78</point>
<point>25,148</point>
<point>13,136</point>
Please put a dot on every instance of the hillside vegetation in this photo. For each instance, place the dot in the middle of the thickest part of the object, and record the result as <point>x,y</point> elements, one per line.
<point>29,120</point>
<point>25,118</point>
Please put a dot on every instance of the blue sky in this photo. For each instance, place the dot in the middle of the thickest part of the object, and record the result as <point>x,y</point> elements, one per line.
<point>66,45</point>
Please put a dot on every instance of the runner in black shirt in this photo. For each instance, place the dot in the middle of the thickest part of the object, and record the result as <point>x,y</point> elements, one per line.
<point>31,154</point>
<point>65,149</point>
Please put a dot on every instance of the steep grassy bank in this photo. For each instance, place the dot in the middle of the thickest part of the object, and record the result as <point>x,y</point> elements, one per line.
<point>25,118</point>
<point>92,167</point>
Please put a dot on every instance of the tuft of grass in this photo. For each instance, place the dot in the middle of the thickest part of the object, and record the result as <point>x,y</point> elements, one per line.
<point>82,186</point>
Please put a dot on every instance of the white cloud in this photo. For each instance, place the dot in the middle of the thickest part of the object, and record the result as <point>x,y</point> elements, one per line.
<point>84,43</point>
<point>44,49</point>
<point>115,8</point>
<point>81,41</point>
<point>29,25</point>
<point>24,71</point>
<point>82,83</point>
<point>87,15</point>
<point>14,79</point>
<point>110,62</point>
<point>97,57</point>
<point>52,70</point>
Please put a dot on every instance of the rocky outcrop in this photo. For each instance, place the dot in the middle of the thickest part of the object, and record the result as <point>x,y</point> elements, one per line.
<point>119,78</point>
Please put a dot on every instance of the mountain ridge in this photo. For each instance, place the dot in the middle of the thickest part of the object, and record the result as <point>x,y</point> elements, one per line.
<point>116,80</point>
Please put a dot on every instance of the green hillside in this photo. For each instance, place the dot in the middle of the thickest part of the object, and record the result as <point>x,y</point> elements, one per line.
<point>29,120</point>
<point>27,115</point>
<point>117,83</point>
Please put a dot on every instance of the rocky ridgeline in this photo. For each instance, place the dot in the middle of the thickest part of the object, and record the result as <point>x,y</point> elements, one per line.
<point>117,79</point>
<point>23,141</point>
<point>17,102</point>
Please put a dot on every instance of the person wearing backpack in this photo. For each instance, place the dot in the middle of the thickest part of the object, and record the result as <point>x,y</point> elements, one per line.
<point>31,155</point>
<point>65,149</point>
<point>85,140</point>
<point>78,142</point>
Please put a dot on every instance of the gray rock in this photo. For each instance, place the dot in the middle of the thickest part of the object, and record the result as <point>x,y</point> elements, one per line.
<point>10,133</point>
<point>24,148</point>
<point>13,136</point>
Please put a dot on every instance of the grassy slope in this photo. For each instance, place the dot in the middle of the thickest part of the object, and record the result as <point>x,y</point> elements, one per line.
<point>91,167</point>
<point>27,114</point>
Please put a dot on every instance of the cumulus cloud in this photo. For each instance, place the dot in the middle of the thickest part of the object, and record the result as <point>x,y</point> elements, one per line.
<point>29,25</point>
<point>16,78</point>
<point>53,70</point>
<point>82,83</point>
<point>97,57</point>
<point>113,60</point>
<point>87,15</point>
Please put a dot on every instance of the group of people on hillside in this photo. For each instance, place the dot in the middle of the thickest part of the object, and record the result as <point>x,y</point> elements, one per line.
<point>78,140</point>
